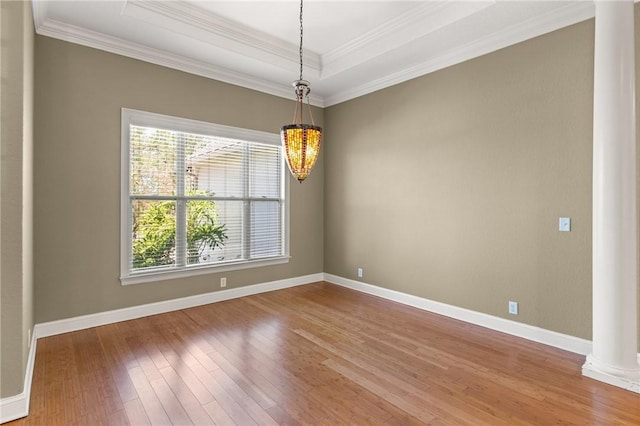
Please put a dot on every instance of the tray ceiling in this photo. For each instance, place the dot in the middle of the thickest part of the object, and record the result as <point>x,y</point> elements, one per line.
<point>351,48</point>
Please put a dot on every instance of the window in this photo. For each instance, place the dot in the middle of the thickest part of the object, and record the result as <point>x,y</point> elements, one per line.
<point>199,198</point>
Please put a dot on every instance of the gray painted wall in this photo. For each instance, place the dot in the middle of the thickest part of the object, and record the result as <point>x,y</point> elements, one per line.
<point>80,92</point>
<point>16,193</point>
<point>450,186</point>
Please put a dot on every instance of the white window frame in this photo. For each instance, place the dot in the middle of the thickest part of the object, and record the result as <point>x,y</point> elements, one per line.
<point>142,118</point>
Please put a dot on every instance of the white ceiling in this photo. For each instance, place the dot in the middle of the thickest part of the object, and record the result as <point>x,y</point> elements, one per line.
<point>350,47</point>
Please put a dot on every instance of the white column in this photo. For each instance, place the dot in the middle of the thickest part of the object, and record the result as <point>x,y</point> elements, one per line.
<point>614,357</point>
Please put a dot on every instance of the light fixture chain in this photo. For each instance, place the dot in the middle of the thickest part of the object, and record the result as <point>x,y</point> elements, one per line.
<point>301,39</point>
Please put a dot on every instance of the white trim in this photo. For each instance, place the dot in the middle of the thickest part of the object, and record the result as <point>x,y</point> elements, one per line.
<point>143,118</point>
<point>84,37</point>
<point>413,24</point>
<point>203,25</point>
<point>386,33</point>
<point>571,14</point>
<point>592,369</point>
<point>332,61</point>
<point>17,406</point>
<point>529,332</point>
<point>159,275</point>
<point>109,317</point>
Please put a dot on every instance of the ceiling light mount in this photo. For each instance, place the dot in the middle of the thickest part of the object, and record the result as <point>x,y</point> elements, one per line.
<point>302,88</point>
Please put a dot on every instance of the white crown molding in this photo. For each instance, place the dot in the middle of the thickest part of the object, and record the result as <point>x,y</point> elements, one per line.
<point>387,29</point>
<point>349,55</point>
<point>568,15</point>
<point>96,40</point>
<point>38,13</point>
<point>417,22</point>
<point>188,19</point>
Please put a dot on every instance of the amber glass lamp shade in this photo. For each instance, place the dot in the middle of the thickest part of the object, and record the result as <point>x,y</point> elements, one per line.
<point>301,143</point>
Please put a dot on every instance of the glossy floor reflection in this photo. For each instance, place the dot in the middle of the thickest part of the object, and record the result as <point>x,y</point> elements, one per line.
<point>315,354</point>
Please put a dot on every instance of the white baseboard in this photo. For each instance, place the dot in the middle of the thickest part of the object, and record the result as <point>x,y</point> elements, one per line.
<point>17,406</point>
<point>536,334</point>
<point>626,379</point>
<point>109,317</point>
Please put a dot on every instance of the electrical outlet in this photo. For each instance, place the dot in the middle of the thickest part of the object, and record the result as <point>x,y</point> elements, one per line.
<point>513,308</point>
<point>223,282</point>
<point>359,272</point>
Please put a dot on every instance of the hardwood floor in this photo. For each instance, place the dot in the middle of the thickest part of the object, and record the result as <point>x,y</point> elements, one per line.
<point>316,354</point>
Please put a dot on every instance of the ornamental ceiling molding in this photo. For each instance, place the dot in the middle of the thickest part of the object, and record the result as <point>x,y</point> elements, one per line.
<point>84,37</point>
<point>568,15</point>
<point>192,21</point>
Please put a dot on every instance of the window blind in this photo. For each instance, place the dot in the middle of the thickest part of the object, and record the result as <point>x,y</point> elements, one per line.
<point>199,200</point>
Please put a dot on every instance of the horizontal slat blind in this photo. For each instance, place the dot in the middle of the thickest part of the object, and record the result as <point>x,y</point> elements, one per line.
<point>198,199</point>
<point>153,161</point>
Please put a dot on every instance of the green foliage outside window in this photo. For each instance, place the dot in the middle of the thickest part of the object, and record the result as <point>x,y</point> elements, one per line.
<point>154,159</point>
<point>202,230</point>
<point>155,232</point>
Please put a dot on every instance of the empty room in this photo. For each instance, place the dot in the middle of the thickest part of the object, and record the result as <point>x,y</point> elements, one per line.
<point>319,212</point>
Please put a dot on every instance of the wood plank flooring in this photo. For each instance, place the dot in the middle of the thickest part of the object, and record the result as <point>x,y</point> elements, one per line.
<point>316,354</point>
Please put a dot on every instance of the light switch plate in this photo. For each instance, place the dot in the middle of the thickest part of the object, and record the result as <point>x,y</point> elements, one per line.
<point>565,224</point>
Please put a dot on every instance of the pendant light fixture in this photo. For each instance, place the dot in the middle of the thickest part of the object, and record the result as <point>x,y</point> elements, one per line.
<point>301,142</point>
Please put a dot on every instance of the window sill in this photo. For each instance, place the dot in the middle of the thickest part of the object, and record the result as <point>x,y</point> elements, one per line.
<point>146,277</point>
